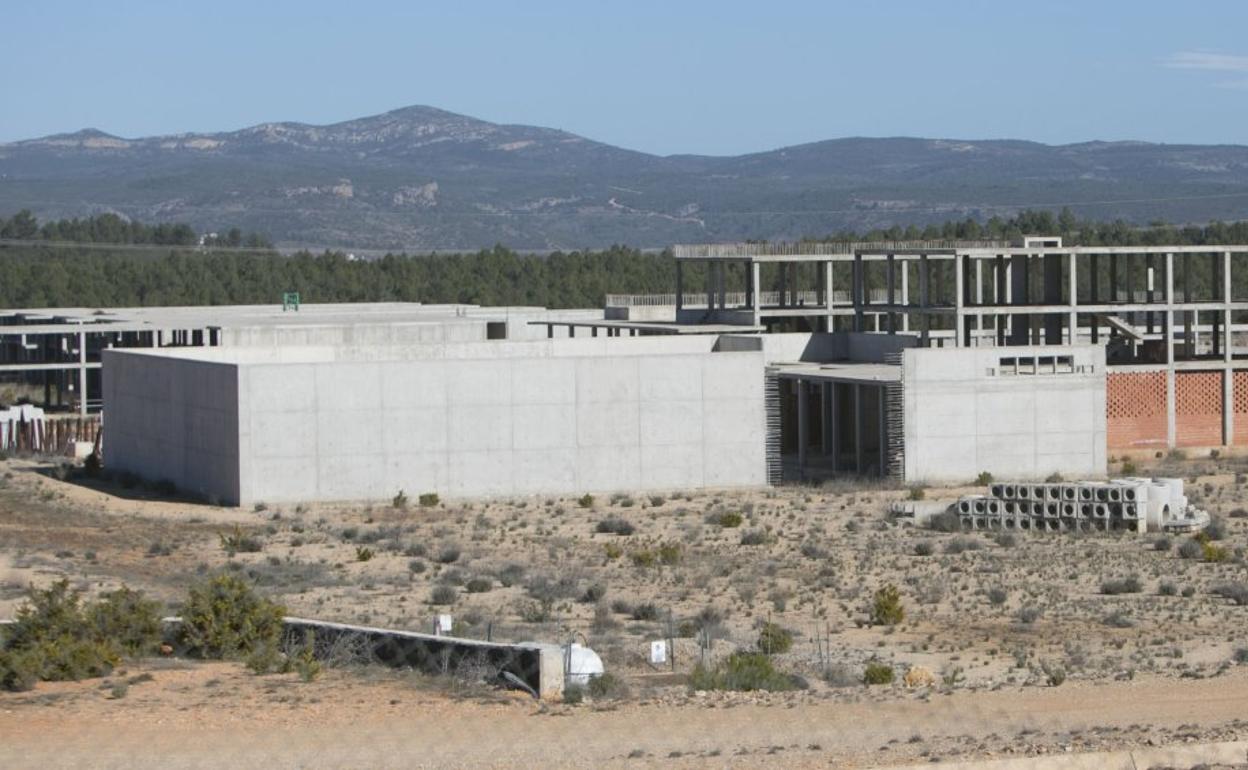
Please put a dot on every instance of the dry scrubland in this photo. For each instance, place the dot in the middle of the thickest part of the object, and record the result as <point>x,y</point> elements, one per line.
<point>996,619</point>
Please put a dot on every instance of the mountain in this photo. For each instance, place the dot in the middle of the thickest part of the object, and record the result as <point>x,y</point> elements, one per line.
<point>420,178</point>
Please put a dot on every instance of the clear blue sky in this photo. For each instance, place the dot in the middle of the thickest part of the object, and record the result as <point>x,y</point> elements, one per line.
<point>665,77</point>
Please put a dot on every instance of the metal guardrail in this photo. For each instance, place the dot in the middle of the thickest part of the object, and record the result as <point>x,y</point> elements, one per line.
<point>817,248</point>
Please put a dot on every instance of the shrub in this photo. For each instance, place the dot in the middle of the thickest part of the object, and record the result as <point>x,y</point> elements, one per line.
<point>643,558</point>
<point>304,661</point>
<point>1128,585</point>
<point>1163,544</point>
<point>1054,478</point>
<point>916,493</point>
<point>754,537</point>
<point>443,594</point>
<point>742,672</point>
<point>1239,513</point>
<point>1191,549</point>
<point>1240,655</point>
<point>877,673</point>
<point>614,526</point>
<point>1214,554</point>
<point>1118,619</point>
<point>924,548</point>
<point>399,501</point>
<point>224,618</point>
<point>657,500</point>
<point>448,555</point>
<point>511,574</point>
<point>812,550</point>
<point>363,553</point>
<point>1028,615</point>
<point>612,551</point>
<point>645,611</point>
<point>1054,674</point>
<point>416,566</point>
<point>997,596</point>
<point>1236,592</point>
<point>886,607</point>
<point>56,636</point>
<point>774,639</point>
<point>1167,589</point>
<point>479,585</point>
<point>727,519</point>
<point>128,620</point>
<point>573,694</point>
<point>238,542</point>
<point>585,501</point>
<point>606,685</point>
<point>596,592</point>
<point>984,478</point>
<point>1215,529</point>
<point>962,544</point>
<point>671,554</point>
<point>429,500</point>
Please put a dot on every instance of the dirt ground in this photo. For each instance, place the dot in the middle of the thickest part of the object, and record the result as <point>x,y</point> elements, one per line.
<point>999,621</point>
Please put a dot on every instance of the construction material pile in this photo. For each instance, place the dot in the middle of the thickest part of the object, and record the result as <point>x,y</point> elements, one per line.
<point>1127,504</point>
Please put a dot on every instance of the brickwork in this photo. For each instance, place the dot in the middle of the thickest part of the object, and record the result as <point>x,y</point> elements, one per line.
<point>1135,409</point>
<point>1198,409</point>
<point>1239,403</point>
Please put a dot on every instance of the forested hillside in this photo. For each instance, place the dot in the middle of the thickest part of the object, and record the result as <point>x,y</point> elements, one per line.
<point>39,271</point>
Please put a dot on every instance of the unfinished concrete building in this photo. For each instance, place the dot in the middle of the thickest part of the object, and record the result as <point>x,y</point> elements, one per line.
<point>926,362</point>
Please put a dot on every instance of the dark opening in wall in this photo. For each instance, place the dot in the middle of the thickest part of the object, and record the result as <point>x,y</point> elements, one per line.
<point>496,330</point>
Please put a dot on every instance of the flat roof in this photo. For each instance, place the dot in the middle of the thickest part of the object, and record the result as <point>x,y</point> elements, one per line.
<point>72,320</point>
<point>840,371</point>
<point>658,327</point>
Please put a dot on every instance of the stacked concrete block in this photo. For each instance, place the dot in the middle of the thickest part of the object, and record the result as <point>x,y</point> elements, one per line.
<point>1130,504</point>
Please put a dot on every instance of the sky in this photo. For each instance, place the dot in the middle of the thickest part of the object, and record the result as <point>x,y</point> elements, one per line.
<point>716,78</point>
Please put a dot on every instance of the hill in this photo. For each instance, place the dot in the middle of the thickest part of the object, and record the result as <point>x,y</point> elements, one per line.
<point>420,178</point>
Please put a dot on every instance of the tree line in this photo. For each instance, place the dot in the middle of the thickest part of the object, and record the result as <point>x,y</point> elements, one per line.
<point>66,275</point>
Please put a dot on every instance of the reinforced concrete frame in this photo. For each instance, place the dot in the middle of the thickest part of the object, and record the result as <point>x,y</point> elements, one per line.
<point>1139,300</point>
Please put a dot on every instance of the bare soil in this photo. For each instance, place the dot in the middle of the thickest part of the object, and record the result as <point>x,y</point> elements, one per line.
<point>992,618</point>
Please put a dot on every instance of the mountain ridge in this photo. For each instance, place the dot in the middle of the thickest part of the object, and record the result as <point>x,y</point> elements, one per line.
<point>419,177</point>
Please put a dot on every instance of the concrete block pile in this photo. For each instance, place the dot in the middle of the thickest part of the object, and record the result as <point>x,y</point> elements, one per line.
<point>1127,504</point>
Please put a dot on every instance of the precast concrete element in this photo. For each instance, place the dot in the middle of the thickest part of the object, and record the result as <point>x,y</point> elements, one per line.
<point>966,412</point>
<point>248,425</point>
<point>1129,504</point>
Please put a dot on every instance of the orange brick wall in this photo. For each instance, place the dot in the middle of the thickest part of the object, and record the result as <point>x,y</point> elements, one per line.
<point>1240,406</point>
<point>1135,409</point>
<point>1198,408</point>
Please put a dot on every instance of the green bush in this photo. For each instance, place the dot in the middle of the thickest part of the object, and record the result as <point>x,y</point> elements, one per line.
<point>585,501</point>
<point>671,554</point>
<point>983,479</point>
<point>774,639</point>
<point>606,685</point>
<point>886,607</point>
<point>916,493</point>
<point>1192,549</point>
<point>743,672</point>
<point>755,537</point>
<point>225,618</point>
<point>131,621</point>
<point>877,673</point>
<point>429,500</point>
<point>1214,554</point>
<point>947,521</point>
<point>239,542</point>
<point>615,526</point>
<point>56,636</point>
<point>363,553</point>
<point>924,548</point>
<point>443,594</point>
<point>479,585</point>
<point>399,501</point>
<point>1128,585</point>
<point>728,519</point>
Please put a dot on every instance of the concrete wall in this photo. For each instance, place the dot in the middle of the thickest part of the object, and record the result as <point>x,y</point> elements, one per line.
<point>348,430</point>
<point>291,424</point>
<point>173,419</point>
<point>963,416</point>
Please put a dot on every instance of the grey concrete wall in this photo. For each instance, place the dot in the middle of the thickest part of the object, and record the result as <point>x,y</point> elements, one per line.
<point>173,419</point>
<point>963,417</point>
<point>494,426</point>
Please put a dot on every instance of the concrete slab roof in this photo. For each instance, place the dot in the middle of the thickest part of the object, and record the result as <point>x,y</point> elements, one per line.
<point>62,320</point>
<point>841,371</point>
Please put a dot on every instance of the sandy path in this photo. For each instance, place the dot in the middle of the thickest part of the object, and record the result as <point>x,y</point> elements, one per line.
<point>338,723</point>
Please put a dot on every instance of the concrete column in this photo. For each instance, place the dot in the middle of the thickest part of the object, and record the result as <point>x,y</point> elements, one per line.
<point>1170,418</point>
<point>892,296</point>
<point>858,291</point>
<point>680,288</point>
<point>754,297</point>
<point>802,428</point>
<point>82,373</point>
<point>883,411</point>
<point>924,319</point>
<point>825,419</point>
<point>828,301</point>
<point>834,425</point>
<point>959,301</point>
<point>1073,289</point>
<point>784,300</point>
<point>1228,374</point>
<point>1149,294</point>
<point>905,294</point>
<point>858,449</point>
